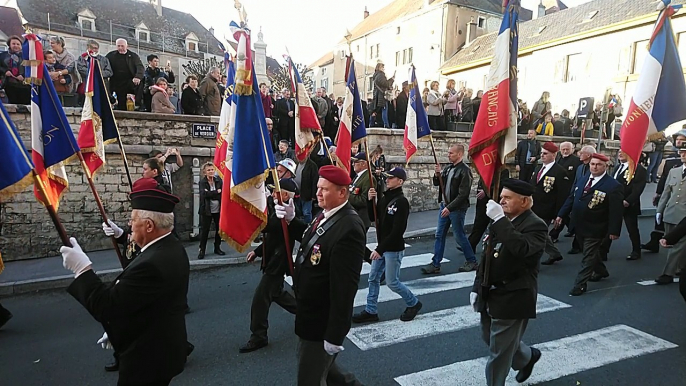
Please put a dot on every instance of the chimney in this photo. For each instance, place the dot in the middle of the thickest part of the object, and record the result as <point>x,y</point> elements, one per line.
<point>541,10</point>
<point>158,6</point>
<point>366,13</point>
<point>212,31</point>
<point>471,31</point>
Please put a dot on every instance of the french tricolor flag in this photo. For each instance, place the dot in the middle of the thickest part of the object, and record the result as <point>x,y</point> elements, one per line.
<point>660,96</point>
<point>495,129</point>
<point>306,121</point>
<point>416,122</point>
<point>351,129</point>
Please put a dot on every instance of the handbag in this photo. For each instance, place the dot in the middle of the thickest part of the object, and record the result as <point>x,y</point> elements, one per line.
<point>649,147</point>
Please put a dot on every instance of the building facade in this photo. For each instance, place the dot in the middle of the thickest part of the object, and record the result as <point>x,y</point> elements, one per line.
<point>322,72</point>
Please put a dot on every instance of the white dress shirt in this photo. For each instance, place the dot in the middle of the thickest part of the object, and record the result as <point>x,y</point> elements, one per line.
<point>329,213</point>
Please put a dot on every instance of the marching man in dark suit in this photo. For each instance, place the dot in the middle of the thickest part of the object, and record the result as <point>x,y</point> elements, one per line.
<point>569,163</point>
<point>551,186</point>
<point>595,204</point>
<point>143,309</point>
<point>360,188</point>
<point>506,299</point>
<point>327,273</point>
<point>632,203</point>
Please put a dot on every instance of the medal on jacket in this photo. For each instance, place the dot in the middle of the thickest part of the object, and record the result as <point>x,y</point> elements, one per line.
<point>598,198</point>
<point>548,183</point>
<point>392,209</point>
<point>316,255</point>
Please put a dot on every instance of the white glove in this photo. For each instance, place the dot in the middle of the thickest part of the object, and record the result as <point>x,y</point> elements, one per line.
<point>332,349</point>
<point>473,296</point>
<point>104,342</point>
<point>494,210</point>
<point>74,259</point>
<point>112,229</point>
<point>287,212</point>
<point>658,218</point>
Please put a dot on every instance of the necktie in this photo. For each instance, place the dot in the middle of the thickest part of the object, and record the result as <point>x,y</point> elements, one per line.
<point>588,185</point>
<point>540,173</point>
<point>316,222</point>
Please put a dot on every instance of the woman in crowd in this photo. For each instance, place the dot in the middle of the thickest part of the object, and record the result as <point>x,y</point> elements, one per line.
<point>12,73</point>
<point>452,97</point>
<point>66,59</point>
<point>381,86</point>
<point>523,118</point>
<point>435,109</point>
<point>160,98</point>
<point>191,101</point>
<point>210,200</point>
<point>467,107</point>
<point>425,94</point>
<point>541,107</point>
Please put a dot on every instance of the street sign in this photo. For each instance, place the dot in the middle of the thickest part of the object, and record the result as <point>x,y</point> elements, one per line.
<point>204,130</point>
<point>585,107</point>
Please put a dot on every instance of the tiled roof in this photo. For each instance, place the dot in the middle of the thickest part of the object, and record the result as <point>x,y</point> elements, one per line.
<point>323,61</point>
<point>124,15</point>
<point>10,21</point>
<point>555,26</point>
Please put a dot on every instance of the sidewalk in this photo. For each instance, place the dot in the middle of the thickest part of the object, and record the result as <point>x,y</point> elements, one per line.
<point>47,273</point>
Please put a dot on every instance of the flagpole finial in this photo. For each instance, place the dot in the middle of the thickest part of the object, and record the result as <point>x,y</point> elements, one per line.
<point>241,13</point>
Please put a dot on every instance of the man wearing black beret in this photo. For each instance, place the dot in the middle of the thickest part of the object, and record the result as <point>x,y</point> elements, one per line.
<point>143,309</point>
<point>506,298</point>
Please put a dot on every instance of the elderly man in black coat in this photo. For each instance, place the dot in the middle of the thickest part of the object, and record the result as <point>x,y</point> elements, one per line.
<point>143,309</point>
<point>506,299</point>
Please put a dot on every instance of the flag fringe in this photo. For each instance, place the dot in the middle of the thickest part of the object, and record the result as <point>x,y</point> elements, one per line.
<point>2,265</point>
<point>483,145</point>
<point>32,80</point>
<point>309,146</point>
<point>15,188</point>
<point>241,247</point>
<point>51,176</point>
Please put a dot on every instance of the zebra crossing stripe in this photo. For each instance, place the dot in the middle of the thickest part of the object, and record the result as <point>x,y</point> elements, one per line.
<point>560,358</point>
<point>652,282</point>
<point>388,333</point>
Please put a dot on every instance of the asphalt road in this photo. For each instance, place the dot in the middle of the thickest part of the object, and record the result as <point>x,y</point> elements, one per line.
<point>619,333</point>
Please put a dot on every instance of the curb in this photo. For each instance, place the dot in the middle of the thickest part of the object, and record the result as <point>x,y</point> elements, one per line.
<point>63,281</point>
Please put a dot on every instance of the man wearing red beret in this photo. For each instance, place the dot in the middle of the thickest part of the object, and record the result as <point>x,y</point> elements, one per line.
<point>595,205</point>
<point>552,188</point>
<point>327,273</point>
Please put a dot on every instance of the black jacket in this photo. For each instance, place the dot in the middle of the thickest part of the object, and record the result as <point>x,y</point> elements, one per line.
<point>460,188</point>
<point>152,74</point>
<point>143,311</point>
<point>133,62</point>
<point>392,220</point>
<point>513,276</point>
<point>326,282</point>
<point>310,177</point>
<point>605,217</point>
<point>191,102</point>
<point>632,190</point>
<point>206,195</point>
<point>569,164</point>
<point>551,191</point>
<point>273,248</point>
<point>520,154</point>
<point>401,110</point>
<point>282,107</point>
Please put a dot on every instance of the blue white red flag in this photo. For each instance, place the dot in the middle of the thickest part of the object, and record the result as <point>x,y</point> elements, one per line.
<point>306,121</point>
<point>226,119</point>
<point>16,164</point>
<point>52,141</point>
<point>98,127</point>
<point>249,156</point>
<point>351,128</point>
<point>495,129</point>
<point>416,122</point>
<point>660,95</point>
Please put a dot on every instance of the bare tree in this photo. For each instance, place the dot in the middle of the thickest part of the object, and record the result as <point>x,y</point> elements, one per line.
<point>201,67</point>
<point>280,78</point>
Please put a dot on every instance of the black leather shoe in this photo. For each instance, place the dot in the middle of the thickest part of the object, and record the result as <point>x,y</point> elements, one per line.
<point>596,277</point>
<point>573,251</point>
<point>252,346</point>
<point>664,279</point>
<point>201,255</point>
<point>552,260</point>
<point>634,256</point>
<point>218,251</point>
<point>114,366</point>
<point>578,291</point>
<point>365,317</point>
<point>650,248</point>
<point>411,312</point>
<point>525,373</point>
<point>554,240</point>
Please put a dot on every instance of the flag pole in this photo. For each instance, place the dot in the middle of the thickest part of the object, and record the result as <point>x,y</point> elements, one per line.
<point>98,202</point>
<point>284,225</point>
<point>372,182</point>
<point>51,210</point>
<point>440,176</point>
<point>495,194</point>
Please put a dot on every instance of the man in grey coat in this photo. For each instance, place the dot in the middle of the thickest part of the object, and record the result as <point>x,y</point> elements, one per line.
<point>506,298</point>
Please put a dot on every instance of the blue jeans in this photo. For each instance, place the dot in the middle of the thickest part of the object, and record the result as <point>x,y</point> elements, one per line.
<point>307,211</point>
<point>655,160</point>
<point>390,262</point>
<point>384,116</point>
<point>456,218</point>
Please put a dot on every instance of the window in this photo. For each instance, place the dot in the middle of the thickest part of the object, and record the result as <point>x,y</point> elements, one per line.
<point>87,25</point>
<point>681,47</point>
<point>589,16</point>
<point>323,70</point>
<point>192,46</point>
<point>405,56</point>
<point>397,59</point>
<point>640,53</point>
<point>481,23</point>
<point>574,68</point>
<point>143,36</point>
<point>325,83</point>
<point>409,55</point>
<point>377,50</point>
<point>397,32</point>
<point>358,48</point>
<point>371,52</point>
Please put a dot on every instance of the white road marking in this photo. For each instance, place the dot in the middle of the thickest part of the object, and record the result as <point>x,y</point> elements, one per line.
<point>383,334</point>
<point>560,358</point>
<point>372,246</point>
<point>652,282</point>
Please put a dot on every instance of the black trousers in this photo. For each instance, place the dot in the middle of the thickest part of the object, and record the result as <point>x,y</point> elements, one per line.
<point>631,222</point>
<point>270,289</point>
<point>18,94</point>
<point>317,368</point>
<point>437,122</point>
<point>205,222</point>
<point>591,262</point>
<point>480,225</point>
<point>526,171</point>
